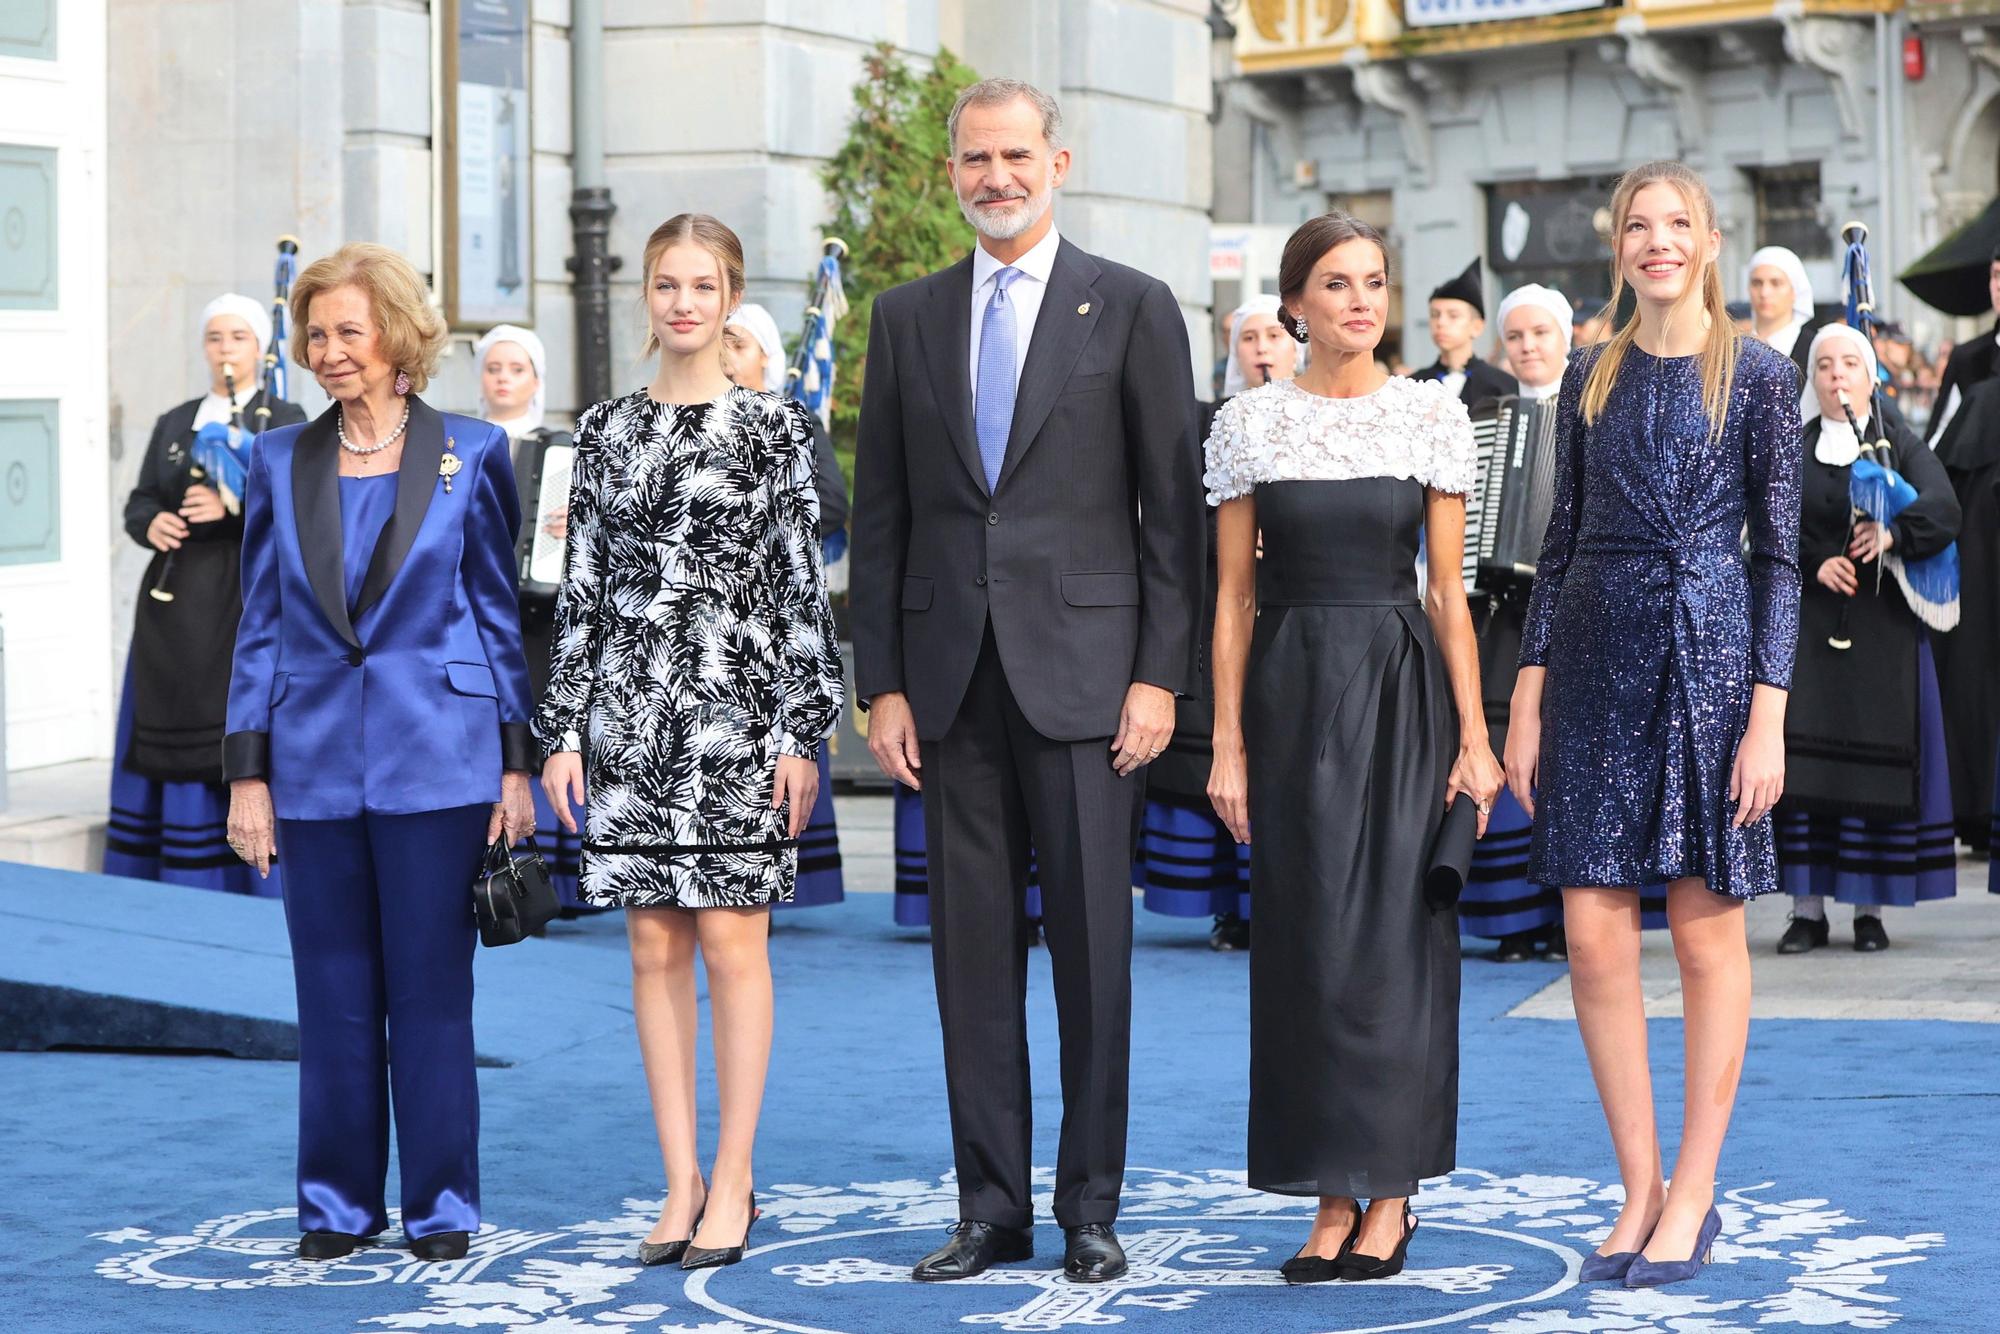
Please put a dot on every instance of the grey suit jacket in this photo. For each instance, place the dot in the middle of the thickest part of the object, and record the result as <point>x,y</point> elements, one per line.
<point>1086,556</point>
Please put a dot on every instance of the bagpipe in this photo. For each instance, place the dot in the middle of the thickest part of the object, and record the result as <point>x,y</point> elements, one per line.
<point>809,378</point>
<point>1875,490</point>
<point>220,455</point>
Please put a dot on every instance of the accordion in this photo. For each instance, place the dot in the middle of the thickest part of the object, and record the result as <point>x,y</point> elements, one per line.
<point>542,465</point>
<point>1514,446</point>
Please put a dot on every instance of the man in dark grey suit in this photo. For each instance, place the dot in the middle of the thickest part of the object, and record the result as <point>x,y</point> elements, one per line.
<point>1026,586</point>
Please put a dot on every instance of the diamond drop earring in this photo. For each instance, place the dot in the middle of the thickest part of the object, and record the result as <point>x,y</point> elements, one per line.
<point>1304,332</point>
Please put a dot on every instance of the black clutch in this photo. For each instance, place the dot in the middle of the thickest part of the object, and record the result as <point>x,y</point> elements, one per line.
<point>1451,855</point>
<point>514,897</point>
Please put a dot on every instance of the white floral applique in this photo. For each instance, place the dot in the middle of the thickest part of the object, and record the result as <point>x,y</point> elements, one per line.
<point>1407,429</point>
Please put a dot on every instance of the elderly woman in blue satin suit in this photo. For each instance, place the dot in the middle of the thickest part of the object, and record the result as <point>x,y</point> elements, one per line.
<point>378,742</point>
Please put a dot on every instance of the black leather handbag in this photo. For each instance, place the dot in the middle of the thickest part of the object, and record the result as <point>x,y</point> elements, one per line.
<point>514,897</point>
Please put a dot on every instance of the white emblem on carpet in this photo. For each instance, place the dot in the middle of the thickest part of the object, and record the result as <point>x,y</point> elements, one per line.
<point>1503,1253</point>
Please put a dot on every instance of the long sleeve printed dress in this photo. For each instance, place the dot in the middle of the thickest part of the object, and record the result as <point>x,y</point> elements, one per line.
<point>693,646</point>
<point>1653,626</point>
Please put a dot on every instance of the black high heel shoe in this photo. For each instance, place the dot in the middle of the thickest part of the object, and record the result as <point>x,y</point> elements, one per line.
<point>670,1252</point>
<point>1358,1268</point>
<point>1318,1268</point>
<point>704,1257</point>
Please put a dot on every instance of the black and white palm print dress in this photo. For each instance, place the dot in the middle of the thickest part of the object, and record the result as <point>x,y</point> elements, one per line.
<point>693,646</point>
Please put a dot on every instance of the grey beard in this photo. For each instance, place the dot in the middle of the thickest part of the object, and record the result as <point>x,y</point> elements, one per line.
<point>999,229</point>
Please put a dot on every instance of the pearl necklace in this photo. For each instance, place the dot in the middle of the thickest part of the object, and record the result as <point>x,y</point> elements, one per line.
<point>340,427</point>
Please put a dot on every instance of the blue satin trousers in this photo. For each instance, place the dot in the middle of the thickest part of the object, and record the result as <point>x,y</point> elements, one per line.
<point>380,913</point>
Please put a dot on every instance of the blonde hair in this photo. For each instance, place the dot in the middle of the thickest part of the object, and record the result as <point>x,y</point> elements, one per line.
<point>1719,349</point>
<point>413,334</point>
<point>712,235</point>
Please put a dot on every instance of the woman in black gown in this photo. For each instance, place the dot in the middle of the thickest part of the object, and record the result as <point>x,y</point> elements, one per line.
<point>1347,718</point>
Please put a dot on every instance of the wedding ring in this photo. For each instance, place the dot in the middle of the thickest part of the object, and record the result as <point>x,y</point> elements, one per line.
<point>1485,808</point>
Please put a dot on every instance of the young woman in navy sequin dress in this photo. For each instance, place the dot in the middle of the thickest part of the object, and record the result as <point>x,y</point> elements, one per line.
<point>1648,720</point>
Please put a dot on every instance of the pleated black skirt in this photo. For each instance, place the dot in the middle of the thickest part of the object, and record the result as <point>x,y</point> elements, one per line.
<point>1351,731</point>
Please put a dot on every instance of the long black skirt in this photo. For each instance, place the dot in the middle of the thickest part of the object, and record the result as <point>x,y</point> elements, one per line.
<point>1351,732</point>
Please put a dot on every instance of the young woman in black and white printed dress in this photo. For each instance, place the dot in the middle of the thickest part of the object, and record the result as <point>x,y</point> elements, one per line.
<point>694,673</point>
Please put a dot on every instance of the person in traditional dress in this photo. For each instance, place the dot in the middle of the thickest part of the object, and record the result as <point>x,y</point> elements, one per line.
<point>695,650</point>
<point>1499,902</point>
<point>169,808</point>
<point>1781,305</point>
<point>1866,817</point>
<point>1347,720</point>
<point>1189,864</point>
<point>1458,318</point>
<point>1969,365</point>
<point>1646,734</point>
<point>755,358</point>
<point>1965,431</point>
<point>513,395</point>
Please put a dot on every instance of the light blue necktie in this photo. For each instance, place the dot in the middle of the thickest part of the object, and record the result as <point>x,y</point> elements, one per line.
<point>993,402</point>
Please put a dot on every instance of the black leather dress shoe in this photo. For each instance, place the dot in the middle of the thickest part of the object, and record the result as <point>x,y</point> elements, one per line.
<point>327,1245</point>
<point>1869,935</point>
<point>1517,948</point>
<point>1803,936</point>
<point>440,1246</point>
<point>973,1249</point>
<point>1557,950</point>
<point>1091,1254</point>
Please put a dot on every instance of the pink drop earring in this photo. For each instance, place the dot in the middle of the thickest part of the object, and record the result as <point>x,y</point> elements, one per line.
<point>402,382</point>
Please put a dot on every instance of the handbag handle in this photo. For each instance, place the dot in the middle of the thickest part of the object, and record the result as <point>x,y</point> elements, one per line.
<point>499,857</point>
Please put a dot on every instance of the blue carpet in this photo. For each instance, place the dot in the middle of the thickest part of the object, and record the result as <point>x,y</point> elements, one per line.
<point>153,1193</point>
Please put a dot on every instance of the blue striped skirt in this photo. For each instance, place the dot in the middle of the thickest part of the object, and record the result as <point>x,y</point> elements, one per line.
<point>176,833</point>
<point>1499,899</point>
<point>1877,863</point>
<point>1188,863</point>
<point>819,880</point>
<point>913,886</point>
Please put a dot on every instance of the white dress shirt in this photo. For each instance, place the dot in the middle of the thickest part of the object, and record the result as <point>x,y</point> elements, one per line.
<point>1025,294</point>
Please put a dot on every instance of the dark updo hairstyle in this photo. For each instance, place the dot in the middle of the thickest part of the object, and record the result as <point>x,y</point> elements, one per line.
<point>1305,247</point>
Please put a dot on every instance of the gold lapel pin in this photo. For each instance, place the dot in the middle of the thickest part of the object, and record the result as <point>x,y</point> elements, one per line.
<point>449,465</point>
<point>1083,309</point>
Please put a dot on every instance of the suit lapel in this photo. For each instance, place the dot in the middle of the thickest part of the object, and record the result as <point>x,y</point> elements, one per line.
<point>416,483</point>
<point>316,513</point>
<point>1069,312</point>
<point>947,338</point>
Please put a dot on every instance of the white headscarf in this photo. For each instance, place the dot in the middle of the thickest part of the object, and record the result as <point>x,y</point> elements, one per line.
<point>1837,443</point>
<point>538,357</point>
<point>1559,309</point>
<point>1784,260</point>
<point>242,308</point>
<point>756,321</point>
<point>1234,381</point>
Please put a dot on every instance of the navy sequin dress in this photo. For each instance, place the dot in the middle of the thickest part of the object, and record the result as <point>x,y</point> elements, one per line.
<point>1653,628</point>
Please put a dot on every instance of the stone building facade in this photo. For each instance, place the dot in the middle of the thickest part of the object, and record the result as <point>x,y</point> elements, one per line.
<point>1468,135</point>
<point>221,124</point>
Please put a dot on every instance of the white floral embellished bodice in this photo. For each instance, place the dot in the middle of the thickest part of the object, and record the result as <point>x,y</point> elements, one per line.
<point>1280,433</point>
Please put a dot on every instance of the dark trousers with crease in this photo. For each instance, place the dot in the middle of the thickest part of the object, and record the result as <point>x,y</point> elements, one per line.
<point>380,913</point>
<point>990,785</point>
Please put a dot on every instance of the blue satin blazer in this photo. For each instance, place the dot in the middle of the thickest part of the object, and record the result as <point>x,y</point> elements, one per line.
<point>416,696</point>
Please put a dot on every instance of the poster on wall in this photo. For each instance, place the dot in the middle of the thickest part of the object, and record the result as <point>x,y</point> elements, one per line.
<point>1440,13</point>
<point>486,230</point>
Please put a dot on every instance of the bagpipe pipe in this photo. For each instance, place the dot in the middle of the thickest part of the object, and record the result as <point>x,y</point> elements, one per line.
<point>1875,490</point>
<point>809,378</point>
<point>220,455</point>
